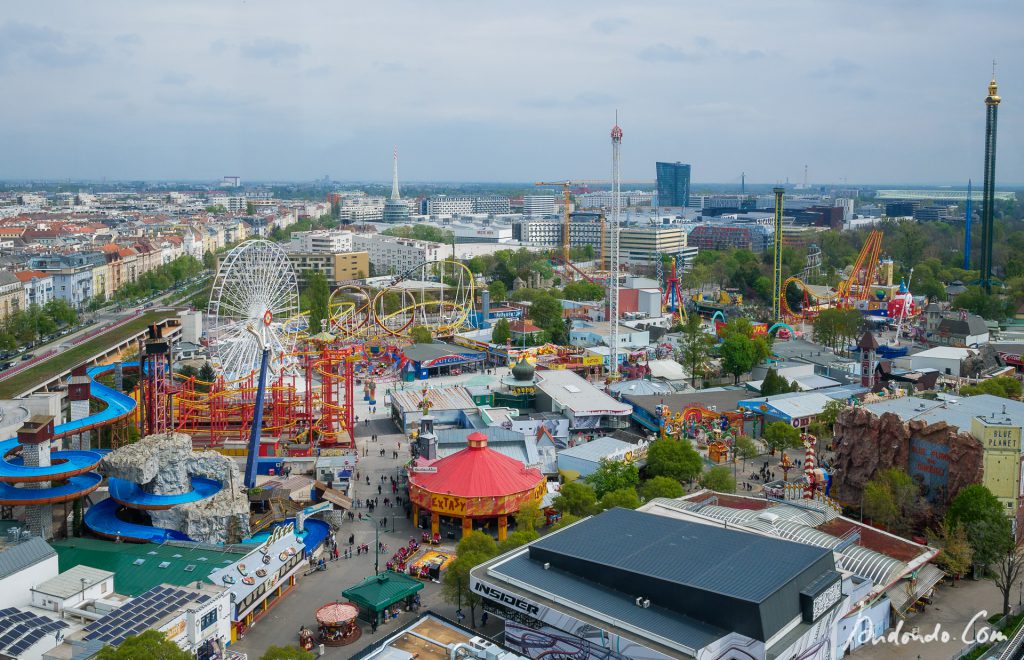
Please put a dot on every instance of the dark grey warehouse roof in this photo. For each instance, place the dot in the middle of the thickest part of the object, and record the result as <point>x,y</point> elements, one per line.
<point>655,621</point>
<point>732,563</point>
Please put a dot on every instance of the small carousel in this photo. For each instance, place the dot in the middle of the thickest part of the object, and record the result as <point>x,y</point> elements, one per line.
<point>337,626</point>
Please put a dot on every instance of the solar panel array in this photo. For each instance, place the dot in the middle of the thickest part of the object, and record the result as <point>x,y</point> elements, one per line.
<point>141,614</point>
<point>20,630</point>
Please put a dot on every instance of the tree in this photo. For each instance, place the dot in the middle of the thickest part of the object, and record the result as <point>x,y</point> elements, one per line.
<point>987,527</point>
<point>209,260</point>
<point>583,290</point>
<point>773,383</point>
<point>576,498</point>
<point>909,244</point>
<point>566,519</point>
<point>955,557</point>
<point>455,583</point>
<point>287,653</point>
<point>317,296</point>
<point>675,459</point>
<point>746,448</point>
<point>1009,568</point>
<point>660,487</point>
<point>1004,386</point>
<point>976,301</point>
<point>188,371</point>
<point>477,541</point>
<point>529,517</point>
<point>516,539</point>
<point>830,414</point>
<point>893,499</point>
<point>613,475</point>
<point>206,376</point>
<point>739,355</point>
<point>421,335</point>
<point>502,332</point>
<point>780,436</point>
<point>151,644</point>
<point>695,344</point>
<point>622,497</point>
<point>498,291</point>
<point>720,479</point>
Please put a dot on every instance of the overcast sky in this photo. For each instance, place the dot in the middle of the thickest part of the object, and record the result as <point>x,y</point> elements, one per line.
<point>869,91</point>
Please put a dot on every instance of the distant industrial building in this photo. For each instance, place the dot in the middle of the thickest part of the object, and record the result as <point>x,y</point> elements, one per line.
<point>673,184</point>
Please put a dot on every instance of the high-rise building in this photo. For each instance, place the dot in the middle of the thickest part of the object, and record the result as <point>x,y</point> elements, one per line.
<point>395,209</point>
<point>673,184</point>
<point>534,205</point>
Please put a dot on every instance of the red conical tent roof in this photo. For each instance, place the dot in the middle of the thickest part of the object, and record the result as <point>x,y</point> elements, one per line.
<point>477,471</point>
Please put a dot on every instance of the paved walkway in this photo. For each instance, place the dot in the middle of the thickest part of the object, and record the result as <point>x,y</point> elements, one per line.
<point>953,611</point>
<point>281,624</point>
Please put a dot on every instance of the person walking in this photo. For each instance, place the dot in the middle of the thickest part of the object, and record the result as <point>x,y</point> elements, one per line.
<point>351,539</point>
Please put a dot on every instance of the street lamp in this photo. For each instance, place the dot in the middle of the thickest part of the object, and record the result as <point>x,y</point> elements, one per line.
<point>376,541</point>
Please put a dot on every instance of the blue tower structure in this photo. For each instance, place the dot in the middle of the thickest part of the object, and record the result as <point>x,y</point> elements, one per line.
<point>253,459</point>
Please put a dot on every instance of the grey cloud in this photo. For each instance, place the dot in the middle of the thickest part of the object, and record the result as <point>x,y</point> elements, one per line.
<point>272,50</point>
<point>839,67</point>
<point>174,78</point>
<point>44,46</point>
<point>662,52</point>
<point>128,39</point>
<point>609,25</point>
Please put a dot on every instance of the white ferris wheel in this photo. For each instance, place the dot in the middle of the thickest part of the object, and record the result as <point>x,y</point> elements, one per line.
<point>255,295</point>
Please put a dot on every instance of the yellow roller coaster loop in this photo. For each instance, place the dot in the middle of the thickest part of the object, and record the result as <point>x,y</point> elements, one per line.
<point>803,313</point>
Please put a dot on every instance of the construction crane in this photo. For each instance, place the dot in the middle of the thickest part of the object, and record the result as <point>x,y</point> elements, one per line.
<point>566,187</point>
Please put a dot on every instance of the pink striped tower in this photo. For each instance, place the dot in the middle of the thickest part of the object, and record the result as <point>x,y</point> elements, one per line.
<point>809,464</point>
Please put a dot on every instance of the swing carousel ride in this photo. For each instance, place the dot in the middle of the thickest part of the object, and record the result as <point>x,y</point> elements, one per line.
<point>307,402</point>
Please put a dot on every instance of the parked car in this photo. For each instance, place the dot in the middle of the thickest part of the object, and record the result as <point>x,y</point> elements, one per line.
<point>27,356</point>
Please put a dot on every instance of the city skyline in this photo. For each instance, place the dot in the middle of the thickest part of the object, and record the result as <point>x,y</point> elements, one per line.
<point>471,93</point>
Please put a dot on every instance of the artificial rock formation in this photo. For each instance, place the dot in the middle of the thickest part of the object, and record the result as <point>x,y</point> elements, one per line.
<point>866,443</point>
<point>164,464</point>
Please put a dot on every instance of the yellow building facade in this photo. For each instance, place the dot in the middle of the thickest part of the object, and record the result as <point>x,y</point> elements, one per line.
<point>1001,441</point>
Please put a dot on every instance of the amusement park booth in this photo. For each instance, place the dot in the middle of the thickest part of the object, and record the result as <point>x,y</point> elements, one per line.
<point>447,405</point>
<point>584,458</point>
<point>439,359</point>
<point>378,594</point>
<point>475,484</point>
<point>799,409</point>
<point>259,580</point>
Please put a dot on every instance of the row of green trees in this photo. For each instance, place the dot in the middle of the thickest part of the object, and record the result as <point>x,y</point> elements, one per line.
<point>37,321</point>
<point>160,279</point>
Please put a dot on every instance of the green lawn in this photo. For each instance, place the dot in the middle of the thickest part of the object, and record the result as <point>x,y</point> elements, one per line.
<point>40,373</point>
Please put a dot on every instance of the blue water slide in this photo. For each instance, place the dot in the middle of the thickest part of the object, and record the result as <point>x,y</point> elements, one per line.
<point>132,496</point>
<point>102,519</point>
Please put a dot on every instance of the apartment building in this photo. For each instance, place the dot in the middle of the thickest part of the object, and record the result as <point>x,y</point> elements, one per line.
<point>323,240</point>
<point>447,205</point>
<point>390,255</point>
<point>356,208</point>
<point>233,203</point>
<point>72,274</point>
<point>549,232</point>
<point>38,286</point>
<point>337,267</point>
<point>12,295</point>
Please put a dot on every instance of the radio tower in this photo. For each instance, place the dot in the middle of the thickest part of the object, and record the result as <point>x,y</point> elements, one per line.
<point>613,290</point>
<point>968,212</point>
